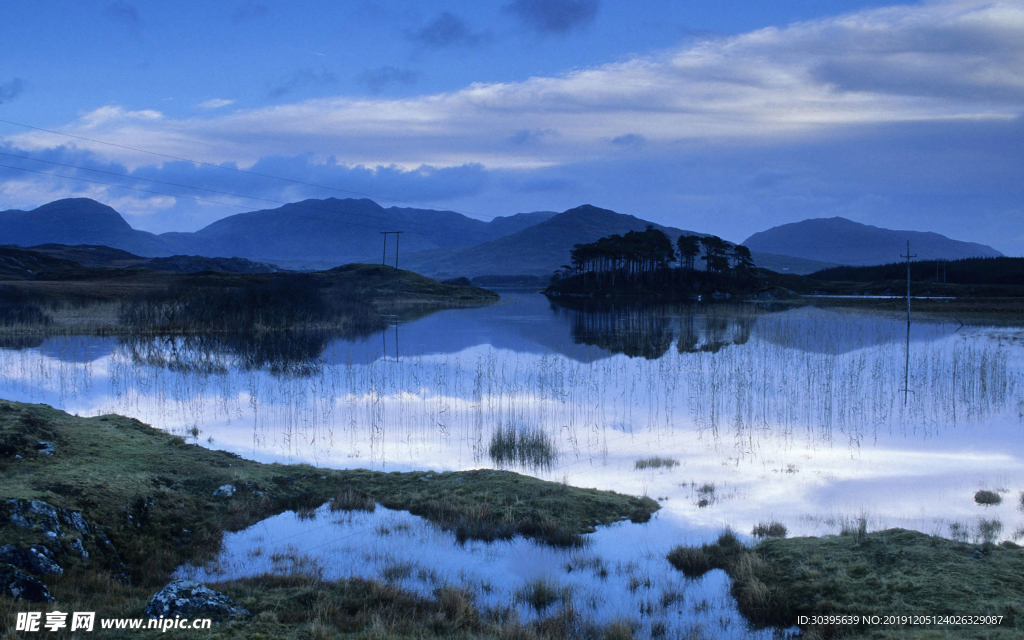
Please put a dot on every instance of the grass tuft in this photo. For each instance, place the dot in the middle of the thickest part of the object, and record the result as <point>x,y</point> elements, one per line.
<point>987,498</point>
<point>771,530</point>
<point>527,447</point>
<point>352,499</point>
<point>541,593</point>
<point>655,462</point>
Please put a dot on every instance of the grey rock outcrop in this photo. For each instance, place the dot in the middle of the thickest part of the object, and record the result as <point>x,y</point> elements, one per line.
<point>224,491</point>
<point>191,599</point>
<point>16,584</point>
<point>35,559</point>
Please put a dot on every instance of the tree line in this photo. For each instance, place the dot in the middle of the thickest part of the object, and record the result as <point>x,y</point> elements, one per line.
<point>647,257</point>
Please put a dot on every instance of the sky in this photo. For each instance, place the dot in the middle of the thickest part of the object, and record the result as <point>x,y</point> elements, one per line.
<point>719,116</point>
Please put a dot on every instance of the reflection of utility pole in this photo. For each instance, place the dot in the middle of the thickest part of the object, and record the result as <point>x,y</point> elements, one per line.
<point>398,237</point>
<point>908,257</point>
<point>906,366</point>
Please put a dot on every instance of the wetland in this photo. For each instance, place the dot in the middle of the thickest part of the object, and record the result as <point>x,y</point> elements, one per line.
<point>438,456</point>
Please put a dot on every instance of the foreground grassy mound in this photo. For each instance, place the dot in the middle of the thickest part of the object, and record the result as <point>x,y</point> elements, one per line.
<point>153,496</point>
<point>885,573</point>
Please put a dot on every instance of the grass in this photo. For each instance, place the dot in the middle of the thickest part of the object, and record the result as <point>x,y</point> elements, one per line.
<point>352,499</point>
<point>152,494</point>
<point>878,573</point>
<point>541,593</point>
<point>655,462</point>
<point>349,299</point>
<point>694,562</point>
<point>770,530</point>
<point>527,447</point>
<point>300,607</point>
<point>987,497</point>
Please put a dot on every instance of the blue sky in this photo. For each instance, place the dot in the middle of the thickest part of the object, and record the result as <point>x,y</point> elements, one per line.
<point>727,117</point>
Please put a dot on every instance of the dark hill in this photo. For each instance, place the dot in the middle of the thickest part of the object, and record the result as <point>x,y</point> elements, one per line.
<point>77,221</point>
<point>970,271</point>
<point>20,264</point>
<point>536,250</point>
<point>842,241</point>
<point>544,247</point>
<point>325,233</point>
<point>101,256</point>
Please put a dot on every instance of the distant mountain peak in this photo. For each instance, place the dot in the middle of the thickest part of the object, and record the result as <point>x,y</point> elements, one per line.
<point>843,241</point>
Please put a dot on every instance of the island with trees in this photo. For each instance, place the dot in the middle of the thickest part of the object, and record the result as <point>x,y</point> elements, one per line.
<point>646,264</point>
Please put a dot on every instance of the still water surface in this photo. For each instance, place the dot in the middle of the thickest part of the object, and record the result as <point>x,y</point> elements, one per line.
<point>810,417</point>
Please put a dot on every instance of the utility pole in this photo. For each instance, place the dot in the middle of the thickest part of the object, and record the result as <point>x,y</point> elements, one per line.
<point>908,257</point>
<point>398,236</point>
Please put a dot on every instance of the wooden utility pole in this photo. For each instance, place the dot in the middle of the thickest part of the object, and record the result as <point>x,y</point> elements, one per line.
<point>908,257</point>
<point>398,237</point>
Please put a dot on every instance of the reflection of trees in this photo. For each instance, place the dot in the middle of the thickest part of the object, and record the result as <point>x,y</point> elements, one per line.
<point>648,330</point>
<point>711,329</point>
<point>290,353</point>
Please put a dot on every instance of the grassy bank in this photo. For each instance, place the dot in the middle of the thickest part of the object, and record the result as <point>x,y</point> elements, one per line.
<point>152,495</point>
<point>883,573</point>
<point>351,298</point>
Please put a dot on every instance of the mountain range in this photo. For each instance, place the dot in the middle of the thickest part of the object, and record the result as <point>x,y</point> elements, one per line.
<point>845,242</point>
<point>320,234</point>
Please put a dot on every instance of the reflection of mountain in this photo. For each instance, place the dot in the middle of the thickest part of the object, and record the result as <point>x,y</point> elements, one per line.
<point>831,331</point>
<point>523,323</point>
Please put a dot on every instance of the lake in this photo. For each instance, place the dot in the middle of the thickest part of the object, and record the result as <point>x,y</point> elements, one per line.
<point>727,415</point>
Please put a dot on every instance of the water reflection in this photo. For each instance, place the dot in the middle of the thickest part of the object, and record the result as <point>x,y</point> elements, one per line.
<point>792,415</point>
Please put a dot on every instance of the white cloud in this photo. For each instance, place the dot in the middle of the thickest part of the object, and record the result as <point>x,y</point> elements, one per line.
<point>949,60</point>
<point>215,103</point>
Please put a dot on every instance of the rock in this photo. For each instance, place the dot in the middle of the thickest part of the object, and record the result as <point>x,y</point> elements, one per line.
<point>36,559</point>
<point>16,584</point>
<point>79,548</point>
<point>46,448</point>
<point>224,491</point>
<point>59,527</point>
<point>192,600</point>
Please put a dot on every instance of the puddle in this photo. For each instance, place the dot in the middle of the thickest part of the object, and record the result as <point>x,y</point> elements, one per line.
<point>621,575</point>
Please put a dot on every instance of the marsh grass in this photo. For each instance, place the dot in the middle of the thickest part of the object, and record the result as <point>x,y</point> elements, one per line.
<point>541,593</point>
<point>987,532</point>
<point>352,499</point>
<point>856,528</point>
<point>705,494</point>
<point>655,462</point>
<point>781,579</point>
<point>987,498</point>
<point>293,607</point>
<point>770,530</point>
<point>528,447</point>
<point>694,562</point>
<point>396,571</point>
<point>110,467</point>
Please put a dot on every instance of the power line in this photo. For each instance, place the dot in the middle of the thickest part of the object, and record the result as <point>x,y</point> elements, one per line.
<point>217,166</point>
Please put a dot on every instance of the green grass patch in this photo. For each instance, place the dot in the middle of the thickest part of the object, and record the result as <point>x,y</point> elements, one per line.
<point>891,572</point>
